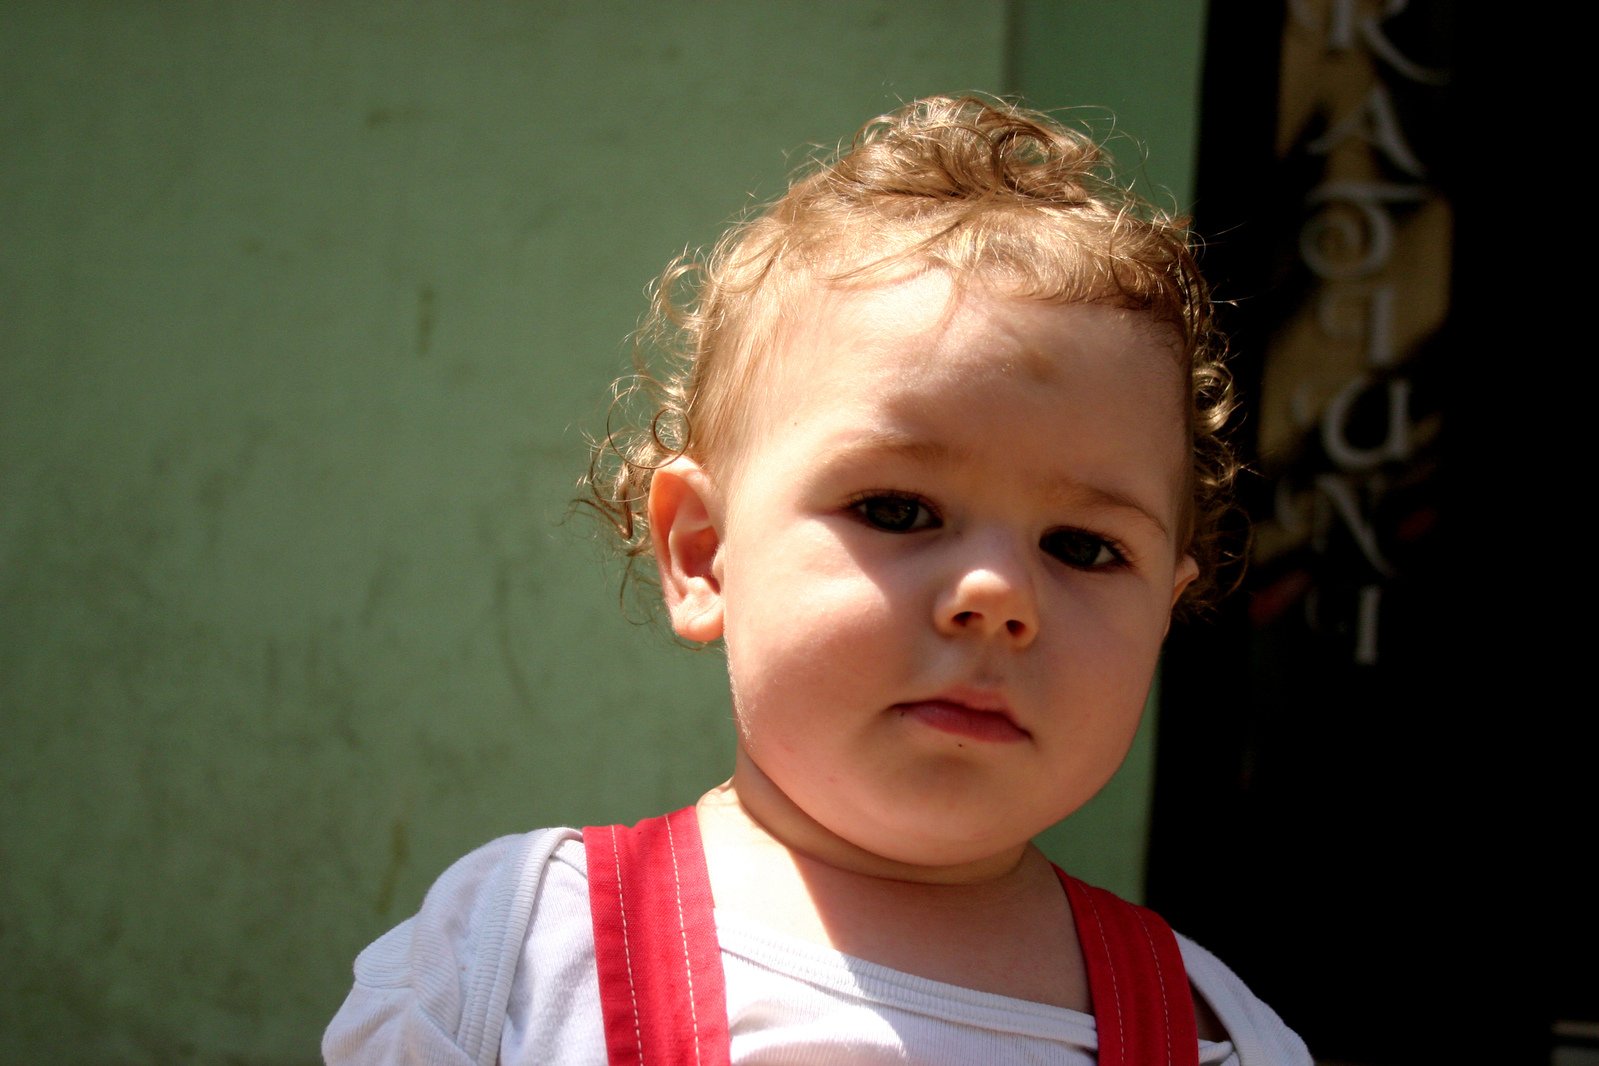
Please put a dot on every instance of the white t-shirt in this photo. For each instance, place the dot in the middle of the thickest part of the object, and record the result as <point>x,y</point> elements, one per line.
<point>498,966</point>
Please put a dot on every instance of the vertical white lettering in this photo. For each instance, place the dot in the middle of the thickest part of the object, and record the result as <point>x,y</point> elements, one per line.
<point>1340,246</point>
<point>1376,123</point>
<point>1344,24</point>
<point>1347,238</point>
<point>1366,625</point>
<point>1336,490</point>
<point>1395,444</point>
<point>1371,322</point>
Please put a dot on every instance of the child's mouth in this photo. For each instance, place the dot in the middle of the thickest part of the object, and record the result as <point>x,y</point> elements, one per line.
<point>963,720</point>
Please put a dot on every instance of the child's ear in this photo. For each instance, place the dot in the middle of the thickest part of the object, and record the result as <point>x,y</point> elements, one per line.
<point>685,529</point>
<point>1187,570</point>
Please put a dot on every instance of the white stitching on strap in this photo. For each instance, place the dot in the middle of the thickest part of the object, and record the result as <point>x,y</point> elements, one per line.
<point>1115,981</point>
<point>627,952</point>
<point>682,929</point>
<point>1165,1007</point>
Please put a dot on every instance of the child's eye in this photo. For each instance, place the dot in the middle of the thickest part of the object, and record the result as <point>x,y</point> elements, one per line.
<point>1081,549</point>
<point>895,514</point>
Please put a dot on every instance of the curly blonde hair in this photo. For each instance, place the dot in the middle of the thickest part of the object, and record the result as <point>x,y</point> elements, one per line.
<point>983,189</point>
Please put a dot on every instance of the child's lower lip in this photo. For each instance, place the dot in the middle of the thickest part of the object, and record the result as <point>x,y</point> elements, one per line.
<point>963,721</point>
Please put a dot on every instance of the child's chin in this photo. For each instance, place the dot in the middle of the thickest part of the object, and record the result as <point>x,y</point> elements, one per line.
<point>928,852</point>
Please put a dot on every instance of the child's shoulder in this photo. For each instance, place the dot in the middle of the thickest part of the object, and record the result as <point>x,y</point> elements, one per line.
<point>442,978</point>
<point>1257,1033</point>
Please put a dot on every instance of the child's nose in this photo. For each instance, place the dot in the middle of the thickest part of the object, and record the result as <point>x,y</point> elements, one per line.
<point>992,598</point>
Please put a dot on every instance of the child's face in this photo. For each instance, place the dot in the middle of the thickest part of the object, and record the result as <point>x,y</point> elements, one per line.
<point>944,566</point>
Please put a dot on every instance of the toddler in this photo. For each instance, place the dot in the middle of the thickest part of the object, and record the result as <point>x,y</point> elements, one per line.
<point>936,459</point>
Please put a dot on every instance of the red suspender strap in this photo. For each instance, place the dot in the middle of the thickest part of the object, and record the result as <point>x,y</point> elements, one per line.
<point>1143,1009</point>
<point>661,988</point>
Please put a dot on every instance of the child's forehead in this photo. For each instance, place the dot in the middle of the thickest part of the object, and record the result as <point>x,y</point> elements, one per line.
<point>926,345</point>
<point>832,342</point>
<point>928,315</point>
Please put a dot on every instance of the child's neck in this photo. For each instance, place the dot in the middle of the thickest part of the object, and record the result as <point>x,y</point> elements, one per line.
<point>1003,928</point>
<point>771,818</point>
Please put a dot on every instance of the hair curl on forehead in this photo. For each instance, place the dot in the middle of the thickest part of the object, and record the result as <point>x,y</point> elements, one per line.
<point>990,192</point>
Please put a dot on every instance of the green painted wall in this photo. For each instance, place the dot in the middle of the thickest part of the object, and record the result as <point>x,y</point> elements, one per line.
<point>306,307</point>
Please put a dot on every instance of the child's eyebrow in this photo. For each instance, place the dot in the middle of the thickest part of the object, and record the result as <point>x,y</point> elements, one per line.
<point>1108,498</point>
<point>908,446</point>
<point>928,451</point>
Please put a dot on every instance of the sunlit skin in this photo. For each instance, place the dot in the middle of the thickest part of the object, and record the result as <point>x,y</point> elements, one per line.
<point>942,567</point>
